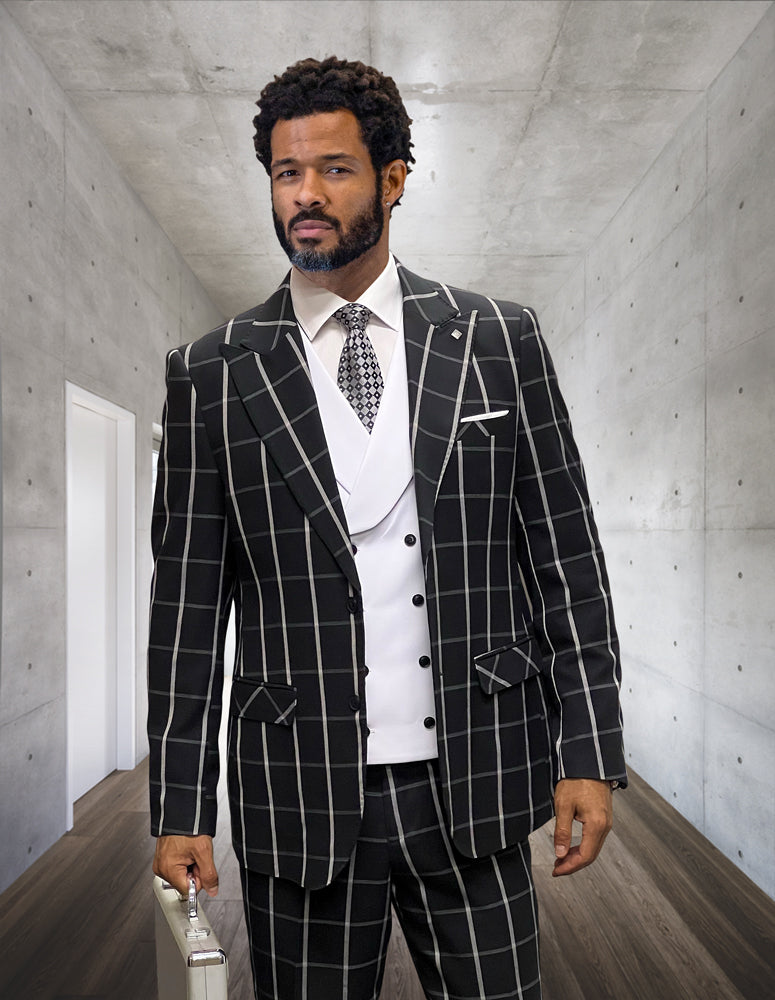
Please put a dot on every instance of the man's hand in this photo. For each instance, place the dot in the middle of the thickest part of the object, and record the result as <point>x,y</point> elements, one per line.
<point>175,854</point>
<point>589,802</point>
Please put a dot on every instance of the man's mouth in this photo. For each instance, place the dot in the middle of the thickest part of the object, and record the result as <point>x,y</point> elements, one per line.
<point>311,228</point>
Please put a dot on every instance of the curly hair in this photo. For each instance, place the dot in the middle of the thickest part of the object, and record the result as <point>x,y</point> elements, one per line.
<point>310,87</point>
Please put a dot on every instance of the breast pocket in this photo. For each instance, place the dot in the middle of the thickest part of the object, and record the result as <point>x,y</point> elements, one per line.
<point>272,703</point>
<point>483,425</point>
<point>508,665</point>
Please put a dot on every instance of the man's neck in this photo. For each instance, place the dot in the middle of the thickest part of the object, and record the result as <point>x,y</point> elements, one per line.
<point>352,280</point>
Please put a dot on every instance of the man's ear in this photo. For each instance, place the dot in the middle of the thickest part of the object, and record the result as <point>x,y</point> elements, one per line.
<point>393,180</point>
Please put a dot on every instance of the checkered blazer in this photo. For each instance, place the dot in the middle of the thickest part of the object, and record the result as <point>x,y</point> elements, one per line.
<point>247,512</point>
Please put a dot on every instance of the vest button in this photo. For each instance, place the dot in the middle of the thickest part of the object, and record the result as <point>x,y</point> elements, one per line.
<point>355,703</point>
<point>355,550</point>
<point>365,671</point>
<point>429,722</point>
<point>424,661</point>
<point>418,600</point>
<point>409,540</point>
<point>352,605</point>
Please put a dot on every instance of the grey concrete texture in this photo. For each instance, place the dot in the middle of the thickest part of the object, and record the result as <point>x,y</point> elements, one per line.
<point>534,120</point>
<point>92,292</point>
<point>668,370</point>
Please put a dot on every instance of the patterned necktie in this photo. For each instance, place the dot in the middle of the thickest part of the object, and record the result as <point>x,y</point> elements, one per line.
<point>359,375</point>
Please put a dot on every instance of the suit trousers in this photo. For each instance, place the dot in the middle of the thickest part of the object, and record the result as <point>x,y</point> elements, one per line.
<point>471,925</point>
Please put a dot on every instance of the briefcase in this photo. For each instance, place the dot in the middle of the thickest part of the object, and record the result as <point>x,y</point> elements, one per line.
<point>190,963</point>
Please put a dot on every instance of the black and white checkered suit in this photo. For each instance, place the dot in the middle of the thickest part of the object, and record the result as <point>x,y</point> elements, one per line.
<point>525,655</point>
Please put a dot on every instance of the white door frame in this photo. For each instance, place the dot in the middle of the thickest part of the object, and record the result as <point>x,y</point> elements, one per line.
<point>125,566</point>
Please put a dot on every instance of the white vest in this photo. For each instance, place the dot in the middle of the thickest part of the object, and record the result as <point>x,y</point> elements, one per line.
<point>376,485</point>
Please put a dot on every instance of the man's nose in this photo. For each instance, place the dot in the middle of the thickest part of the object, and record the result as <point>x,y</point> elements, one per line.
<point>310,193</point>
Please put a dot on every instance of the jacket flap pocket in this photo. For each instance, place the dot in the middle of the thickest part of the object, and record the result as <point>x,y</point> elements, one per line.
<point>275,703</point>
<point>508,665</point>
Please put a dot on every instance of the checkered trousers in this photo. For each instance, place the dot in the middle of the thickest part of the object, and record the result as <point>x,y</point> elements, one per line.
<point>471,925</point>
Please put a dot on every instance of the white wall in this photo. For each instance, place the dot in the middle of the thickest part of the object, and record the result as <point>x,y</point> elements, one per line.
<point>91,291</point>
<point>664,340</point>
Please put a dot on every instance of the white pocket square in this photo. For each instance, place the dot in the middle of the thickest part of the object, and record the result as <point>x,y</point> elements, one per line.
<point>484,416</point>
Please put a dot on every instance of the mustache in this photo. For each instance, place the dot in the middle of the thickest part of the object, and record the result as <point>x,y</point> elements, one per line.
<point>314,215</point>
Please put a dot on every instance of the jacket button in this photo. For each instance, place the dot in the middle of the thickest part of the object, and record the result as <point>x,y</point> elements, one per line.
<point>355,550</point>
<point>424,661</point>
<point>355,703</point>
<point>365,671</point>
<point>418,600</point>
<point>409,540</point>
<point>429,722</point>
<point>352,605</point>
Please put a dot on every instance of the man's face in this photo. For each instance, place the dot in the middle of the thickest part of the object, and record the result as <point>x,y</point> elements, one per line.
<point>326,195</point>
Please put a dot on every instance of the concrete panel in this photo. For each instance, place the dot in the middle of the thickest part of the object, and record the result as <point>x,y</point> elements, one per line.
<point>655,320</point>
<point>740,623</point>
<point>590,150</point>
<point>492,46</point>
<point>33,438</point>
<point>32,777</point>
<point>741,427</point>
<point>611,44</point>
<point>32,166</point>
<point>34,620</point>
<point>646,463</point>
<point>657,583</point>
<point>100,47</point>
<point>248,280</point>
<point>675,183</point>
<point>240,46</point>
<point>741,247</point>
<point>739,793</point>
<point>741,102</point>
<point>560,321</point>
<point>661,714</point>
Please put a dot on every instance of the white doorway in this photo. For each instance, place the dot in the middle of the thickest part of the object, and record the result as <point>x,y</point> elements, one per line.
<point>100,591</point>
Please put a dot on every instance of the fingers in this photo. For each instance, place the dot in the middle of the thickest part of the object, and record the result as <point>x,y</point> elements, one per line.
<point>563,826</point>
<point>205,871</point>
<point>176,855</point>
<point>589,802</point>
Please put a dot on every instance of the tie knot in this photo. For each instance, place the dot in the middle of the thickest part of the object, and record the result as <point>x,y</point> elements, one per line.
<point>353,317</point>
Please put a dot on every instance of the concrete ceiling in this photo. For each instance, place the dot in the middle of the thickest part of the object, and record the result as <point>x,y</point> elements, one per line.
<point>533,119</point>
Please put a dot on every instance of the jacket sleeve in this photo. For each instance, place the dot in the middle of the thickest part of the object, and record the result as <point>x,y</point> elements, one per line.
<point>565,575</point>
<point>190,599</point>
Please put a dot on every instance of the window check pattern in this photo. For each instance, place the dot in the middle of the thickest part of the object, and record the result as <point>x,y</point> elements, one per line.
<point>359,376</point>
<point>247,513</point>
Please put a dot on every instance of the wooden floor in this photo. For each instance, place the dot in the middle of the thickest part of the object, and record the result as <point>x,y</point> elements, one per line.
<point>662,915</point>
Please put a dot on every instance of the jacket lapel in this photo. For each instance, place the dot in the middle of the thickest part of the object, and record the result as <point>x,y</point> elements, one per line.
<point>269,369</point>
<point>439,340</point>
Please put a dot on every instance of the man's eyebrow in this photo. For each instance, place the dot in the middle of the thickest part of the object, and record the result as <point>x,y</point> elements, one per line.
<point>327,157</point>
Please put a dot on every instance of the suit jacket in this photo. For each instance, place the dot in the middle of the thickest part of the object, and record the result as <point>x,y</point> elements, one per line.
<point>247,511</point>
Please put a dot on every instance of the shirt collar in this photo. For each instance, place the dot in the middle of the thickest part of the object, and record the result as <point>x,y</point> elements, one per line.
<point>314,306</point>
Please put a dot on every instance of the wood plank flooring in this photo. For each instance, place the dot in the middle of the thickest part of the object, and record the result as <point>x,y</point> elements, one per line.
<point>662,915</point>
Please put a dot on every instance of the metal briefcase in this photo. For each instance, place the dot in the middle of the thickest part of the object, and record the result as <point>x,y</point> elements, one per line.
<point>190,963</point>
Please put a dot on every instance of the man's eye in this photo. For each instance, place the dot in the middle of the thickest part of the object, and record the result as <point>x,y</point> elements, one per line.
<point>338,170</point>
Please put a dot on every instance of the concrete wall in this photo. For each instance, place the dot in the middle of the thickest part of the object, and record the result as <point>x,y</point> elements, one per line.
<point>664,339</point>
<point>91,291</point>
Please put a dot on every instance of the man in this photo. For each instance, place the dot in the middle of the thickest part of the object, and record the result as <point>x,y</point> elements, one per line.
<point>379,473</point>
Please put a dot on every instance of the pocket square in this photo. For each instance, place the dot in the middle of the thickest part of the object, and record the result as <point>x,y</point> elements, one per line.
<point>484,416</point>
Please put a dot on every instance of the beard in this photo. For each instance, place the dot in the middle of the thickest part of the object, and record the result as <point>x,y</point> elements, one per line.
<point>364,233</point>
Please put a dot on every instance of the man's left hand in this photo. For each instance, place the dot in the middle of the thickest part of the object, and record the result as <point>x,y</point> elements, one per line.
<point>589,802</point>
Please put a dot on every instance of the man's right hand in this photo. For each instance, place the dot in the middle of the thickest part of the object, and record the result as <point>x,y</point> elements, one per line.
<point>176,854</point>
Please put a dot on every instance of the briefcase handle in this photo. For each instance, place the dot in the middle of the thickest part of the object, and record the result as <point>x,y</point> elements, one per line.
<point>193,902</point>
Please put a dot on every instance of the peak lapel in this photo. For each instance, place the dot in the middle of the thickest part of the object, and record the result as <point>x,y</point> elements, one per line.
<point>439,340</point>
<point>269,369</point>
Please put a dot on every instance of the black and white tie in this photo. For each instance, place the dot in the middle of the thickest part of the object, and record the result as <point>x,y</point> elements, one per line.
<point>359,375</point>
